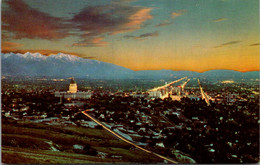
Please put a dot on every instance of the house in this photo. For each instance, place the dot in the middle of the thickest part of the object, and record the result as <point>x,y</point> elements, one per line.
<point>144,117</point>
<point>102,116</point>
<point>142,129</point>
<point>160,144</point>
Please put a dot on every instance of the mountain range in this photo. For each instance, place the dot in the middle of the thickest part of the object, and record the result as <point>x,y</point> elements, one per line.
<point>64,65</point>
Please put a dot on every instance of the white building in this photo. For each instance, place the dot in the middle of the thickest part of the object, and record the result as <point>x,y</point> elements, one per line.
<point>73,92</point>
<point>155,94</point>
<point>73,86</point>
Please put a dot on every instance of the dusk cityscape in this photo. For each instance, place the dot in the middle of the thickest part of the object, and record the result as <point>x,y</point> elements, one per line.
<point>130,81</point>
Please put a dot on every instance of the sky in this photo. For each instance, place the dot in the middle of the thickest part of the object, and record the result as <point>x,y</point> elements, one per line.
<point>194,35</point>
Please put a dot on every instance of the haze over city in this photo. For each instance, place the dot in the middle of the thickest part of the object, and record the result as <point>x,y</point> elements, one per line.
<point>138,34</point>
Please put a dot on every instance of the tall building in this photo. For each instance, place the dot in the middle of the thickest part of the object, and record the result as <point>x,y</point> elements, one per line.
<point>73,86</point>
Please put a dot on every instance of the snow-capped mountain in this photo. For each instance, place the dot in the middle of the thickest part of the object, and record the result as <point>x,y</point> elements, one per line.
<point>63,65</point>
<point>65,57</point>
<point>38,56</point>
<point>36,64</point>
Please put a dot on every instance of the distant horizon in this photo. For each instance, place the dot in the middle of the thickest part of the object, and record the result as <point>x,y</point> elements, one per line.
<point>139,34</point>
<point>132,69</point>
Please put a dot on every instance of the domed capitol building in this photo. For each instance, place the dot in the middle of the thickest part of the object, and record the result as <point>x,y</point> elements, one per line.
<point>73,86</point>
<point>73,92</point>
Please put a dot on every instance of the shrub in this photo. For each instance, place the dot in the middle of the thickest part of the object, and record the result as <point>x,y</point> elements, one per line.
<point>89,150</point>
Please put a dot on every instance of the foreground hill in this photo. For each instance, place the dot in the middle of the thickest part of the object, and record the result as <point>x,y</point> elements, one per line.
<point>35,143</point>
<point>64,65</point>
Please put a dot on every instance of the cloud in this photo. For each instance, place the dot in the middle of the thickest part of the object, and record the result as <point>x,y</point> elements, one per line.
<point>142,36</point>
<point>94,42</point>
<point>165,23</point>
<point>255,44</point>
<point>219,19</point>
<point>123,1</point>
<point>94,23</point>
<point>5,35</point>
<point>178,13</point>
<point>227,44</point>
<point>129,36</point>
<point>154,34</point>
<point>10,45</point>
<point>135,20</point>
<point>26,22</point>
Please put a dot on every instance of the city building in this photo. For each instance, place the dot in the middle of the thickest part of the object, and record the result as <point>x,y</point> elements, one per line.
<point>155,94</point>
<point>73,92</point>
<point>73,86</point>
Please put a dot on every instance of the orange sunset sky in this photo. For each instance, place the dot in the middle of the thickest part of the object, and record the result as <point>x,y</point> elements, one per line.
<point>190,35</point>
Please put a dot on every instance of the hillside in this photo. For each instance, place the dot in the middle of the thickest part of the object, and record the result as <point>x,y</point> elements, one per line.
<point>27,143</point>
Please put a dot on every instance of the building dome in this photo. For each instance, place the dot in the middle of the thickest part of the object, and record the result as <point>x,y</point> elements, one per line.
<point>72,81</point>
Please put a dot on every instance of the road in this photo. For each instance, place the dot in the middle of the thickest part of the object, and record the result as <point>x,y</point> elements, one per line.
<point>203,94</point>
<point>163,88</point>
<point>125,140</point>
<point>184,84</point>
<point>166,85</point>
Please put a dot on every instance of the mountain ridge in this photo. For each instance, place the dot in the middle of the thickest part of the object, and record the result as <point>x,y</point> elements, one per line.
<point>36,64</point>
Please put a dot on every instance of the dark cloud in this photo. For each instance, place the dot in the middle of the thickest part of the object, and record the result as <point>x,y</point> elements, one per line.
<point>129,36</point>
<point>154,34</point>
<point>26,22</point>
<point>96,22</point>
<point>166,23</point>
<point>91,25</point>
<point>227,44</point>
<point>142,36</point>
<point>123,1</point>
<point>255,44</point>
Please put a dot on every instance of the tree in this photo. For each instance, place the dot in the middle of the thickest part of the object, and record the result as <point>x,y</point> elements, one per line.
<point>89,150</point>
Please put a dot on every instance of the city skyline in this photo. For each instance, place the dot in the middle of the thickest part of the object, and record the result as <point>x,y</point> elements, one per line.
<point>137,34</point>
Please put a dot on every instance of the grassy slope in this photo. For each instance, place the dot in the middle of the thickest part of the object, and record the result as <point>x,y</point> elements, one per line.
<point>25,143</point>
<point>16,155</point>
